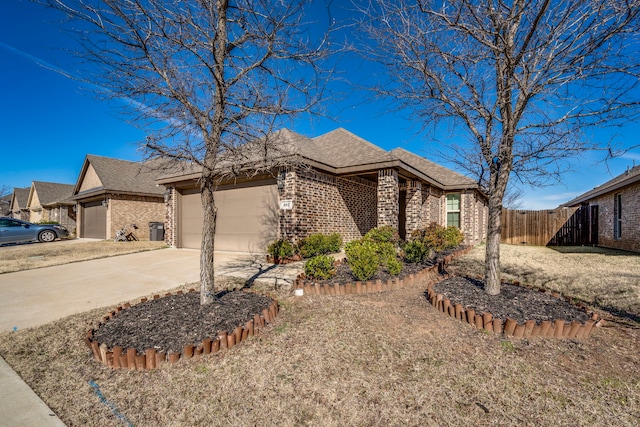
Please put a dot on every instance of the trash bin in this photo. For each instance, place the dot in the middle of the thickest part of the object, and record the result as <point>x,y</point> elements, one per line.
<point>156,231</point>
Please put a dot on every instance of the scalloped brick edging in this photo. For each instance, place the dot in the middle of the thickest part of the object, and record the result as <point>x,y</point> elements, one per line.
<point>311,287</point>
<point>509,327</point>
<point>128,358</point>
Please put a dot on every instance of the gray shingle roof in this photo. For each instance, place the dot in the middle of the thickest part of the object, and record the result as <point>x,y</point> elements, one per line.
<point>123,176</point>
<point>340,151</point>
<point>53,193</point>
<point>21,197</point>
<point>627,178</point>
<point>442,175</point>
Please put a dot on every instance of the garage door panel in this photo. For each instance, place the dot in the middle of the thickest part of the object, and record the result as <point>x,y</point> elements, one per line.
<point>94,220</point>
<point>247,218</point>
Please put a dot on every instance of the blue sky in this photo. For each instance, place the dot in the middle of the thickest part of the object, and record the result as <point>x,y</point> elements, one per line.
<point>49,122</point>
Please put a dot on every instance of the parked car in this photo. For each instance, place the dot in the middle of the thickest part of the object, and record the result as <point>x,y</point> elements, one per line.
<point>16,231</point>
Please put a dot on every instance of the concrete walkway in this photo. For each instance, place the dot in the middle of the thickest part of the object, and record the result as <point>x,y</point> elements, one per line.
<point>35,297</point>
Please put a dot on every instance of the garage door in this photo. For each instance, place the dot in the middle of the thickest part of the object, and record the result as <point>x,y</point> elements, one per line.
<point>94,220</point>
<point>247,218</point>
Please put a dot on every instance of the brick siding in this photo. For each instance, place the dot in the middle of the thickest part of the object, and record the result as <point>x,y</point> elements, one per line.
<point>630,240</point>
<point>388,196</point>
<point>139,210</point>
<point>323,203</point>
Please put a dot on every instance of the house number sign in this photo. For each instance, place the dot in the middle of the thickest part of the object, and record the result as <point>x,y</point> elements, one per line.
<point>286,205</point>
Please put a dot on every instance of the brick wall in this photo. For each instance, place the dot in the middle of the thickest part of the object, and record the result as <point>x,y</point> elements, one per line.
<point>388,196</point>
<point>139,210</point>
<point>65,215</point>
<point>630,240</point>
<point>414,206</point>
<point>170,219</point>
<point>323,203</point>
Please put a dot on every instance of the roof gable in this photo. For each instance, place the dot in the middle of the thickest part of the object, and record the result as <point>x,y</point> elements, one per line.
<point>49,193</point>
<point>105,174</point>
<point>20,198</point>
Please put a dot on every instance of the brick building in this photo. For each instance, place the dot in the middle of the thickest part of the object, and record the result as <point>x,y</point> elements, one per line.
<point>615,206</point>
<point>111,193</point>
<point>341,183</point>
<point>18,206</point>
<point>50,201</point>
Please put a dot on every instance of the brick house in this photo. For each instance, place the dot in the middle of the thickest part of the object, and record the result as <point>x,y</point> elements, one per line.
<point>341,183</point>
<point>613,209</point>
<point>111,193</point>
<point>18,206</point>
<point>50,201</point>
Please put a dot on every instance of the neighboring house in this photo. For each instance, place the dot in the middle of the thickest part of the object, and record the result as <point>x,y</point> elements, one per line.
<point>18,205</point>
<point>343,184</point>
<point>112,193</point>
<point>5,205</point>
<point>612,210</point>
<point>49,201</point>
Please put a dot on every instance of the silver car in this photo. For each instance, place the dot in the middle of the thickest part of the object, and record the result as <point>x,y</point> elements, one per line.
<point>16,231</point>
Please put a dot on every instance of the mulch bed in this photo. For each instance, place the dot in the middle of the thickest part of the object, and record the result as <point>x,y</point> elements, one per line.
<point>171,322</point>
<point>514,301</point>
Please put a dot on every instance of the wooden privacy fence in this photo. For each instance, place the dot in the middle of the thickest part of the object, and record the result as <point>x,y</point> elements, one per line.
<point>536,228</point>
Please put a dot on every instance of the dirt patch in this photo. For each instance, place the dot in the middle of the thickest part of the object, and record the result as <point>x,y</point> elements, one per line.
<point>171,322</point>
<point>513,302</point>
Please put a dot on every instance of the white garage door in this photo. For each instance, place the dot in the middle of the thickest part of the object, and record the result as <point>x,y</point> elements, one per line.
<point>247,218</point>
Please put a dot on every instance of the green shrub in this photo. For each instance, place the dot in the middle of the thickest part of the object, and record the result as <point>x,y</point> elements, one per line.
<point>393,266</point>
<point>44,222</point>
<point>363,258</point>
<point>438,238</point>
<point>320,267</point>
<point>280,249</point>
<point>416,251</point>
<point>320,244</point>
<point>384,234</point>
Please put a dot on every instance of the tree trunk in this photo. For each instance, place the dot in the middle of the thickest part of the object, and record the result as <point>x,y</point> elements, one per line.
<point>492,255</point>
<point>207,276</point>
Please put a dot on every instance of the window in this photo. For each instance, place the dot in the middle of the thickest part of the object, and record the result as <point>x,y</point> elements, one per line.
<point>453,210</point>
<point>617,216</point>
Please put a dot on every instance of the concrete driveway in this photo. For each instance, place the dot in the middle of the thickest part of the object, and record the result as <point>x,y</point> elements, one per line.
<point>34,297</point>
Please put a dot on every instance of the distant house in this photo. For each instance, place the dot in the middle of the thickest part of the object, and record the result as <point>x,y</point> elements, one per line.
<point>49,201</point>
<point>344,184</point>
<point>18,206</point>
<point>613,210</point>
<point>112,193</point>
<point>5,205</point>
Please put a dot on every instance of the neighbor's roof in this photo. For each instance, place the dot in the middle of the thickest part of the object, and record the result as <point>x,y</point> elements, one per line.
<point>630,176</point>
<point>51,193</point>
<point>120,176</point>
<point>20,197</point>
<point>342,152</point>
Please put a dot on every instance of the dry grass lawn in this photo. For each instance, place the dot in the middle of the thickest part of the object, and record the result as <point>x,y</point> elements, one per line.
<point>36,255</point>
<point>359,360</point>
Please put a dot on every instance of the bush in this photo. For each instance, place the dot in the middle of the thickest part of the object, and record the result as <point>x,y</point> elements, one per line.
<point>320,267</point>
<point>320,244</point>
<point>280,249</point>
<point>438,238</point>
<point>393,266</point>
<point>416,251</point>
<point>363,258</point>
<point>384,234</point>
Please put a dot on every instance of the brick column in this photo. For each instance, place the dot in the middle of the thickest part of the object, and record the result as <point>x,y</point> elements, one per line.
<point>414,206</point>
<point>287,218</point>
<point>388,196</point>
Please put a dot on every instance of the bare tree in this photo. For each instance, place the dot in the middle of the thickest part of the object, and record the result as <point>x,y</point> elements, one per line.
<point>210,80</point>
<point>521,78</point>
